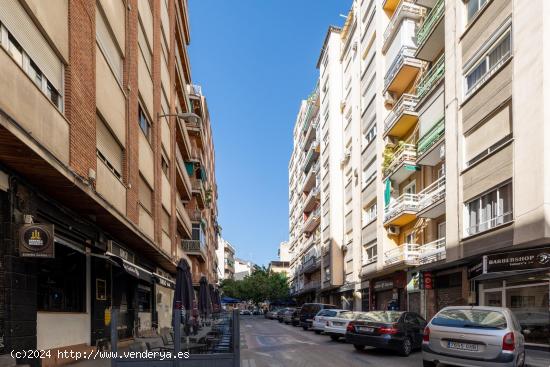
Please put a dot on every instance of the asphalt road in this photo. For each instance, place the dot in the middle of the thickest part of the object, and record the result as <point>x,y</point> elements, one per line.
<point>268,343</point>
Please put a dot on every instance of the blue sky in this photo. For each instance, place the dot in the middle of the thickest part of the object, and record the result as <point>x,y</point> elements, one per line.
<point>255,60</point>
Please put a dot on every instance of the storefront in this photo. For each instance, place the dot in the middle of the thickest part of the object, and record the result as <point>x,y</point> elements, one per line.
<point>365,295</point>
<point>164,295</point>
<point>389,293</point>
<point>519,280</point>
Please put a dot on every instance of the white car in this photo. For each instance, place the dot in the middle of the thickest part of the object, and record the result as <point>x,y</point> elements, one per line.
<point>320,320</point>
<point>336,327</point>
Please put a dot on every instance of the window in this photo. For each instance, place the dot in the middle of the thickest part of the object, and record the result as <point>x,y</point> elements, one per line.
<point>370,135</point>
<point>144,124</point>
<point>108,45</point>
<point>489,62</point>
<point>473,7</point>
<point>165,166</point>
<point>370,253</point>
<point>165,222</point>
<point>15,50</point>
<point>61,282</point>
<point>369,214</point>
<point>35,74</point>
<point>489,210</point>
<point>145,195</point>
<point>108,149</point>
<point>144,298</point>
<point>369,172</point>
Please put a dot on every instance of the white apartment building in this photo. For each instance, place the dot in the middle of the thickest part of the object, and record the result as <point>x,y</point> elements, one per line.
<point>226,259</point>
<point>433,173</point>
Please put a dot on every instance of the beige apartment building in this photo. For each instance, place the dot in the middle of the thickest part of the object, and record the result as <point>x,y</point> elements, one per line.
<point>437,155</point>
<point>107,169</point>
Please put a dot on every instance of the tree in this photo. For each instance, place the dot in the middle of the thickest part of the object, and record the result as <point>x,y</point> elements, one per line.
<point>259,286</point>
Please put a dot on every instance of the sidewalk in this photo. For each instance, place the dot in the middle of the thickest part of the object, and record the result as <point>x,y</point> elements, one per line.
<point>537,358</point>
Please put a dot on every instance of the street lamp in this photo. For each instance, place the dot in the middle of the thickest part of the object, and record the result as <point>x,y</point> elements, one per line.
<point>190,116</point>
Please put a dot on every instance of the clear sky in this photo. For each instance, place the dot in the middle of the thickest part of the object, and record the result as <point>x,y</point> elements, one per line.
<point>256,60</point>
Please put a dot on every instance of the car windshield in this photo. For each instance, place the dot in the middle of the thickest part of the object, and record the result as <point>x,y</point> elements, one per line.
<point>380,316</point>
<point>471,318</point>
<point>348,315</point>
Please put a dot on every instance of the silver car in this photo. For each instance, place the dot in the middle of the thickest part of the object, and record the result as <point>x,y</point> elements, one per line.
<point>474,336</point>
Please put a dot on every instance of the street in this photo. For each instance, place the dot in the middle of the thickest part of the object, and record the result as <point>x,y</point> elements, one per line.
<point>268,343</point>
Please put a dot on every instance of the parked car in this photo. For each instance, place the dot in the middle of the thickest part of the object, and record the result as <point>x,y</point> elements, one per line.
<point>281,313</point>
<point>474,336</point>
<point>272,314</point>
<point>257,312</point>
<point>396,330</point>
<point>245,312</point>
<point>309,311</point>
<point>295,318</point>
<point>336,326</point>
<point>320,320</point>
<point>287,316</point>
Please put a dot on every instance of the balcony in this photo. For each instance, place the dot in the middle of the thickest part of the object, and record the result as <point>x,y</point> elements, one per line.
<point>427,146</point>
<point>368,267</point>
<point>311,133</point>
<point>401,163</point>
<point>311,178</point>
<point>432,252</point>
<point>406,9</point>
<point>405,254</point>
<point>195,248</point>
<point>195,216</point>
<point>194,90</point>
<point>310,265</point>
<point>403,71</point>
<point>311,156</point>
<point>402,117</point>
<point>184,222</point>
<point>312,199</point>
<point>431,78</point>
<point>309,287</point>
<point>431,34</point>
<point>183,182</point>
<point>402,210</point>
<point>312,220</point>
<point>199,192</point>
<point>431,202</point>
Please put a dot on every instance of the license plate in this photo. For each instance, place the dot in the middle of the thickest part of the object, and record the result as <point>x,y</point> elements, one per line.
<point>463,346</point>
<point>366,329</point>
<point>338,323</point>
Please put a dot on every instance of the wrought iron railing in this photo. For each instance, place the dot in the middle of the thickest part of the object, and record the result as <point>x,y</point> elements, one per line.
<point>404,154</point>
<point>430,21</point>
<point>431,77</point>
<point>193,246</point>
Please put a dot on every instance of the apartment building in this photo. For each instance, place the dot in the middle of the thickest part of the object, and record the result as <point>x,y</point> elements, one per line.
<point>107,172</point>
<point>243,268</point>
<point>443,159</point>
<point>226,256</point>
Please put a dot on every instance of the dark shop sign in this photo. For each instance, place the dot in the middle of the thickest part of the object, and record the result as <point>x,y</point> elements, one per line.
<point>36,240</point>
<point>519,260</point>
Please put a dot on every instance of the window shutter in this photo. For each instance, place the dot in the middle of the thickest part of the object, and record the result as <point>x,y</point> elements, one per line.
<point>108,146</point>
<point>108,45</point>
<point>20,25</point>
<point>489,133</point>
<point>145,195</point>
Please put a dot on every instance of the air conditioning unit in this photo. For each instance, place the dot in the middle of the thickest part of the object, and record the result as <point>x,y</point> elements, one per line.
<point>393,230</point>
<point>389,101</point>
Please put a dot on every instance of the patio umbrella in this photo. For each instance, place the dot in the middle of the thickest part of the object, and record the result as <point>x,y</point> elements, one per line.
<point>215,306</point>
<point>183,295</point>
<point>205,304</point>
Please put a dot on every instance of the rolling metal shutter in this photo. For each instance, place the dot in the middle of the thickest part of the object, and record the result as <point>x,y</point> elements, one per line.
<point>108,146</point>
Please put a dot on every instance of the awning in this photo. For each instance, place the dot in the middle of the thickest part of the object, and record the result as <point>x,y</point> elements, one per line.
<point>504,274</point>
<point>133,269</point>
<point>70,244</point>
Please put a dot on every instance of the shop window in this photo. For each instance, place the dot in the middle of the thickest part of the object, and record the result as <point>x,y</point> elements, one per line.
<point>62,282</point>
<point>144,298</point>
<point>448,281</point>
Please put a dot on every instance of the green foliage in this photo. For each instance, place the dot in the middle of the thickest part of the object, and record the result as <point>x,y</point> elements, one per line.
<point>257,287</point>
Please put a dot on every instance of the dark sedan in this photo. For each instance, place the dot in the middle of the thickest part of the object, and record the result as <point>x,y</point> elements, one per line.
<point>396,330</point>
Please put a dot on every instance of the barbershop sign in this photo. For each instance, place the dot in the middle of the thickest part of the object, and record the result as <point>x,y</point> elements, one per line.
<point>518,260</point>
<point>36,240</point>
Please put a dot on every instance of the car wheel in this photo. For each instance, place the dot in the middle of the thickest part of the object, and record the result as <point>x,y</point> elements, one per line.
<point>428,363</point>
<point>317,332</point>
<point>359,347</point>
<point>280,321</point>
<point>334,337</point>
<point>406,347</point>
<point>304,327</point>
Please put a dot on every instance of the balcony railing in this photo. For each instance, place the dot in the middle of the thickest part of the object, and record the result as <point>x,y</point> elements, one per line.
<point>194,89</point>
<point>406,9</point>
<point>431,194</point>
<point>312,218</point>
<point>405,153</point>
<point>310,264</point>
<point>311,196</point>
<point>430,138</point>
<point>404,203</point>
<point>433,251</point>
<point>194,246</point>
<point>311,155</point>
<point>405,55</point>
<point>407,253</point>
<point>430,21</point>
<point>431,77</point>
<point>406,104</point>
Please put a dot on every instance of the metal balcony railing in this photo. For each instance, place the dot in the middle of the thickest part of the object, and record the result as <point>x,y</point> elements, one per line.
<point>405,9</point>
<point>194,246</point>
<point>433,251</point>
<point>430,21</point>
<point>407,103</point>
<point>432,193</point>
<point>311,218</point>
<point>311,155</point>
<point>407,252</point>
<point>406,54</point>
<point>431,137</point>
<point>194,89</point>
<point>404,203</point>
<point>405,153</point>
<point>431,77</point>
